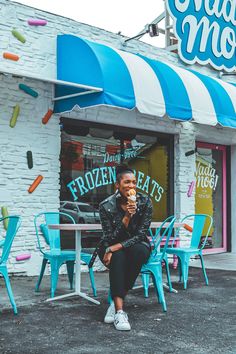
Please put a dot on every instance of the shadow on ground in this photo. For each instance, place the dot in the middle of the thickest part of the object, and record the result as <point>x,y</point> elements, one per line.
<point>199,320</point>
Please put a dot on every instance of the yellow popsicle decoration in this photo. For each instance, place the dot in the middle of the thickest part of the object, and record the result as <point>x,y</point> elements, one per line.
<point>4,215</point>
<point>15,115</point>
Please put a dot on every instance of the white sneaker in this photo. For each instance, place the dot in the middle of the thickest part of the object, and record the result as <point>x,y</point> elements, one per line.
<point>121,321</point>
<point>109,317</point>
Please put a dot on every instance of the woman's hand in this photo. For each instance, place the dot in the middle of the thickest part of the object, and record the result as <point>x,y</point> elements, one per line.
<point>107,258</point>
<point>131,208</point>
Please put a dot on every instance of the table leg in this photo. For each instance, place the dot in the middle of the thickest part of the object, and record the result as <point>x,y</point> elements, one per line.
<point>166,286</point>
<point>78,261</point>
<point>77,274</point>
<point>78,269</point>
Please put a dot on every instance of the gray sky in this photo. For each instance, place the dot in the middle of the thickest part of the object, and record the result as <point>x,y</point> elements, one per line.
<point>127,16</point>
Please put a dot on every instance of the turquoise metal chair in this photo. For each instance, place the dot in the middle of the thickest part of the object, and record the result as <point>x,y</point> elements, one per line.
<point>13,226</point>
<point>154,265</point>
<point>184,254</point>
<point>54,255</point>
<point>155,240</point>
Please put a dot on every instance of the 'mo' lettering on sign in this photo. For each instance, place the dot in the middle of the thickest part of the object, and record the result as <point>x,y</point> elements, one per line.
<point>206,31</point>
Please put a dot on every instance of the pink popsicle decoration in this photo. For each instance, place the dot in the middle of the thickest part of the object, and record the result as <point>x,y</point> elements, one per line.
<point>191,187</point>
<point>37,22</point>
<point>23,257</point>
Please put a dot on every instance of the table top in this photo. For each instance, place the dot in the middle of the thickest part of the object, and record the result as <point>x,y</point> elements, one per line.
<point>90,227</point>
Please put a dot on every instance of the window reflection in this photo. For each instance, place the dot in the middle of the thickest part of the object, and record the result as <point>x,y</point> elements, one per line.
<point>88,168</point>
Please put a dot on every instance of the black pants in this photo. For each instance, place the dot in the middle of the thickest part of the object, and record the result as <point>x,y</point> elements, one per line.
<point>125,266</point>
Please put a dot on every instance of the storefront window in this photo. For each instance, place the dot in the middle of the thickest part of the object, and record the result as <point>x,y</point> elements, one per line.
<point>88,160</point>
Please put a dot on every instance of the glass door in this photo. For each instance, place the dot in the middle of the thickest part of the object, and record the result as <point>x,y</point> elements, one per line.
<point>210,193</point>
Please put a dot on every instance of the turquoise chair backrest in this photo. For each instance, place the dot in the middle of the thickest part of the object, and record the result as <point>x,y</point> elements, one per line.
<point>158,237</point>
<point>199,222</point>
<point>13,226</point>
<point>45,232</point>
<point>51,237</point>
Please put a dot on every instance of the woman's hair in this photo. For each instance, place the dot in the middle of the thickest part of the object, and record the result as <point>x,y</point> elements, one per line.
<point>121,170</point>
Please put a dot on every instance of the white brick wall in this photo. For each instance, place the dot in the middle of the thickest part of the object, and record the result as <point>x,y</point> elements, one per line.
<point>15,177</point>
<point>38,54</point>
<point>38,57</point>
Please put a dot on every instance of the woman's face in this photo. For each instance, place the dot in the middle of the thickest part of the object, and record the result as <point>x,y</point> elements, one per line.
<point>127,182</point>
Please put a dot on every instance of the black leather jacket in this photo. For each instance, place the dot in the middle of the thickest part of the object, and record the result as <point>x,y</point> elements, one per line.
<point>114,231</point>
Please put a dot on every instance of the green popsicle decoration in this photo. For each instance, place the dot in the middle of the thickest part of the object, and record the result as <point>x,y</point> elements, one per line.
<point>5,214</point>
<point>18,36</point>
<point>29,159</point>
<point>14,117</point>
<point>28,90</point>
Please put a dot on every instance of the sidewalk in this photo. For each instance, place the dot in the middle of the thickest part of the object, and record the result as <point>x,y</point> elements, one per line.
<point>223,261</point>
<point>200,320</point>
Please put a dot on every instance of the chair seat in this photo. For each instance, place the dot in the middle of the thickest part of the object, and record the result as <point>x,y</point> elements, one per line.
<point>68,254</point>
<point>153,260</point>
<point>150,264</point>
<point>155,256</point>
<point>176,250</point>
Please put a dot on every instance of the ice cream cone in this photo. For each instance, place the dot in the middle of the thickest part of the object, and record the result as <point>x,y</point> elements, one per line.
<point>132,196</point>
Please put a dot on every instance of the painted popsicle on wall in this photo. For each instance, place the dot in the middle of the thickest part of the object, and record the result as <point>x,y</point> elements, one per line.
<point>47,116</point>
<point>35,184</point>
<point>23,257</point>
<point>18,36</point>
<point>4,212</point>
<point>29,157</point>
<point>10,56</point>
<point>37,22</point>
<point>15,114</point>
<point>28,90</point>
<point>191,188</point>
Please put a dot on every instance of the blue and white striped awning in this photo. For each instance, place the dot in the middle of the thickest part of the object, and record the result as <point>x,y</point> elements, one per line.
<point>117,78</point>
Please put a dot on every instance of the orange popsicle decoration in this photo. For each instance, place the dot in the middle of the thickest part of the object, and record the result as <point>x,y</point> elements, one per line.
<point>11,56</point>
<point>47,116</point>
<point>187,227</point>
<point>35,184</point>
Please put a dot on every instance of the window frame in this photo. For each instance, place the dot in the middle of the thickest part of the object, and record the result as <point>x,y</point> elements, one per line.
<point>81,128</point>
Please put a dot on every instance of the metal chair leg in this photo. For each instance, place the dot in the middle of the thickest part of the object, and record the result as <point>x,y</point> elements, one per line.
<point>41,274</point>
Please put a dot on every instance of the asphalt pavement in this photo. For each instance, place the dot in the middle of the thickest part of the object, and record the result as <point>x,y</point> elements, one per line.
<point>201,319</point>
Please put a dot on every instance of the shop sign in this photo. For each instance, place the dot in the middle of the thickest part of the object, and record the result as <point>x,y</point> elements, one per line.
<point>127,154</point>
<point>99,177</point>
<point>206,176</point>
<point>206,31</point>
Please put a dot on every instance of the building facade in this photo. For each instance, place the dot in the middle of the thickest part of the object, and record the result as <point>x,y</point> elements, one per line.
<point>76,152</point>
